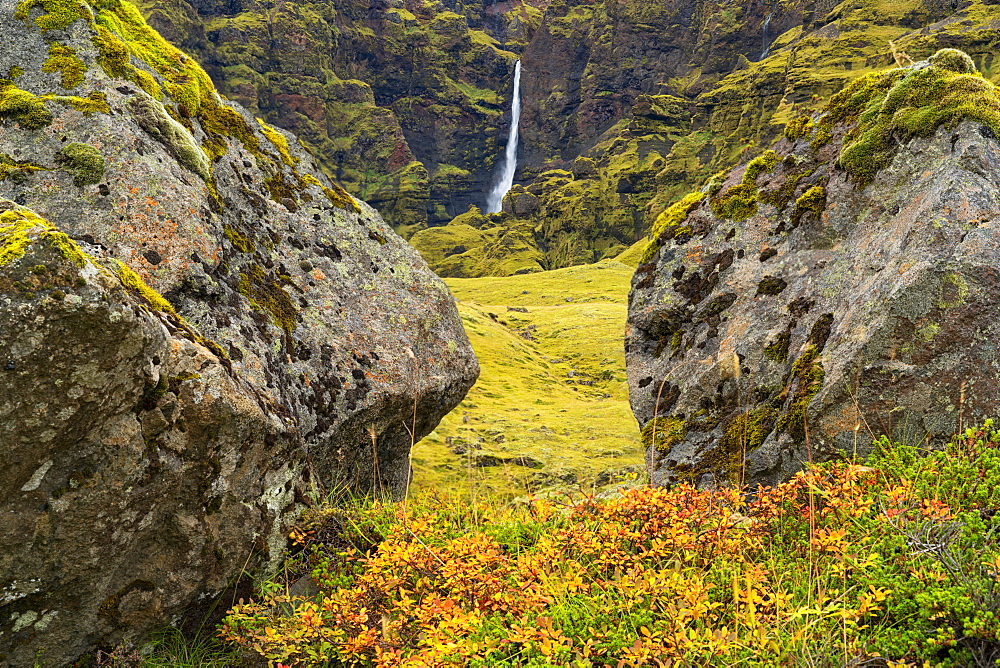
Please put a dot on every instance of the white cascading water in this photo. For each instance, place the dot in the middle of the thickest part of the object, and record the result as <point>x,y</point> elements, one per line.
<point>765,45</point>
<point>505,180</point>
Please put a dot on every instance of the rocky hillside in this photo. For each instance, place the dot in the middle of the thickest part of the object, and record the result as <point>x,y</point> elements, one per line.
<point>198,327</point>
<point>624,115</point>
<point>402,102</point>
<point>840,286</point>
<point>627,105</point>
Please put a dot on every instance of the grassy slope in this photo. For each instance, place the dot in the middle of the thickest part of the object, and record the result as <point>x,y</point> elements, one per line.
<point>560,400</point>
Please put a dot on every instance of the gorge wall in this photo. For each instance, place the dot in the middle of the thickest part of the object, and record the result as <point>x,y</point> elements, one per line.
<point>627,106</point>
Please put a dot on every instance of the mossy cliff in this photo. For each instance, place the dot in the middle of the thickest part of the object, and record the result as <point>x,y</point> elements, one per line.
<point>629,108</point>
<point>836,286</point>
<point>222,323</point>
<point>404,105</point>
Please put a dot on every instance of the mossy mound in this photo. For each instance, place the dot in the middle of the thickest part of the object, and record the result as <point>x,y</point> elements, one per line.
<point>84,161</point>
<point>889,108</point>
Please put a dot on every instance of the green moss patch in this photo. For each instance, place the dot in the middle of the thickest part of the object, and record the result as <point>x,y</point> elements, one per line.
<point>740,201</point>
<point>82,160</point>
<point>16,170</point>
<point>663,433</point>
<point>267,295</point>
<point>812,201</point>
<point>56,14</point>
<point>799,126</point>
<point>63,59</point>
<point>893,106</point>
<point>806,380</point>
<point>668,224</point>
<point>24,108</point>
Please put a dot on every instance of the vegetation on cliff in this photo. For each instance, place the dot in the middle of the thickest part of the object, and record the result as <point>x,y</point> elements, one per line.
<point>400,104</point>
<point>595,197</point>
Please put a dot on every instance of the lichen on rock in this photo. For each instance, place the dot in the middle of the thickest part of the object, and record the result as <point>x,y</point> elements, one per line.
<point>865,303</point>
<point>196,322</point>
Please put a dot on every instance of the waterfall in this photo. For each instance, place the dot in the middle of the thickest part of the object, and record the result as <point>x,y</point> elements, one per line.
<point>505,179</point>
<point>765,45</point>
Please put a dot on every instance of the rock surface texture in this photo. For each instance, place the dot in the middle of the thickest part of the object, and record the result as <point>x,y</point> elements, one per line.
<point>196,327</point>
<point>840,287</point>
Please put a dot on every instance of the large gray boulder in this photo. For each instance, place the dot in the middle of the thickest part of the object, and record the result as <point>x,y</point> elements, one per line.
<point>842,287</point>
<point>197,328</point>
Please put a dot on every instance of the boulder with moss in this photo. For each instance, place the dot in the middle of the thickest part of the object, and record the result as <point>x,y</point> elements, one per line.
<point>274,334</point>
<point>836,288</point>
<point>140,468</point>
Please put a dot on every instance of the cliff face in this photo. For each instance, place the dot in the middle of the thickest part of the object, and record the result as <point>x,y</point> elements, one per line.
<point>196,323</point>
<point>834,289</point>
<point>402,102</point>
<point>628,107</point>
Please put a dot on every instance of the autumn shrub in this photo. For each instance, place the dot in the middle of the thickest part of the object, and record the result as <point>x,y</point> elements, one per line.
<point>889,562</point>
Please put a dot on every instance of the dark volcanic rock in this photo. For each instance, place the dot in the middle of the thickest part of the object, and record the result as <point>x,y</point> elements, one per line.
<point>139,469</point>
<point>149,458</point>
<point>798,312</point>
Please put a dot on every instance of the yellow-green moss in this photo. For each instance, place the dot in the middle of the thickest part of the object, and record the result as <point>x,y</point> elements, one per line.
<point>14,239</point>
<point>16,170</point>
<point>740,202</point>
<point>84,161</point>
<point>239,240</point>
<point>265,294</point>
<point>95,103</point>
<point>670,219</point>
<point>115,59</point>
<point>811,201</point>
<point>138,287</point>
<point>663,433</point>
<point>56,14</point>
<point>763,163</point>
<point>337,195</point>
<point>954,60</point>
<point>280,142</point>
<point>24,108</point>
<point>63,59</point>
<point>15,226</point>
<point>777,350</point>
<point>748,430</point>
<point>805,382</point>
<point>800,126</point>
<point>893,106</point>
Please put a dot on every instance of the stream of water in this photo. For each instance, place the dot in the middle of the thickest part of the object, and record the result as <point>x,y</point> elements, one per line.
<point>505,179</point>
<point>765,45</point>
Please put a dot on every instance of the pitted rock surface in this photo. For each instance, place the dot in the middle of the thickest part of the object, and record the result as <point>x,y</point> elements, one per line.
<point>316,334</point>
<point>803,332</point>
